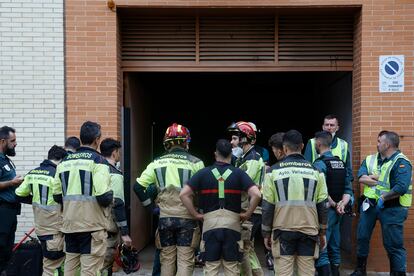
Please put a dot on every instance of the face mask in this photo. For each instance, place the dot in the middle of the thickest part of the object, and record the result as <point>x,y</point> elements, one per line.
<point>333,134</point>
<point>237,151</point>
<point>118,165</point>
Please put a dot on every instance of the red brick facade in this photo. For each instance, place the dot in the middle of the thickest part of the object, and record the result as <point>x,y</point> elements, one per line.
<point>383,27</point>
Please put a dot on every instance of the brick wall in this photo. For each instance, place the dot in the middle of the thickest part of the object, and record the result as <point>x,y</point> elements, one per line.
<point>91,67</point>
<point>32,82</point>
<point>387,29</point>
<point>383,27</point>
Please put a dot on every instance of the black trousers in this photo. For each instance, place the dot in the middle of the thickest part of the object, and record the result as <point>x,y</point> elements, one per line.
<point>8,225</point>
<point>296,243</point>
<point>78,242</point>
<point>222,243</point>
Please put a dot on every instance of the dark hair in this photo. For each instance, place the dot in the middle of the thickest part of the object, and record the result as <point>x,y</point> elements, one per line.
<point>393,138</point>
<point>73,142</point>
<point>276,140</point>
<point>293,140</point>
<point>5,132</point>
<point>108,146</point>
<point>56,153</point>
<point>325,137</point>
<point>382,132</point>
<point>223,147</point>
<point>89,132</point>
<point>330,117</point>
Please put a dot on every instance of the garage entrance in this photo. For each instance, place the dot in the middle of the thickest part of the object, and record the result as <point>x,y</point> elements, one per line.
<point>208,102</point>
<point>280,68</point>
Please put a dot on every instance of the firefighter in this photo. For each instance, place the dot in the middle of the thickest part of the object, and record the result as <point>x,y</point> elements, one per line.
<point>178,232</point>
<point>339,195</point>
<point>276,144</point>
<point>294,210</point>
<point>82,183</point>
<point>36,190</point>
<point>219,190</point>
<point>264,153</point>
<point>118,227</point>
<point>72,144</point>
<point>236,149</point>
<point>252,163</point>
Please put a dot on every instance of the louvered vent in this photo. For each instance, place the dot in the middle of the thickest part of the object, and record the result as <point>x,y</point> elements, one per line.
<point>315,38</point>
<point>237,39</point>
<point>324,42</point>
<point>158,39</point>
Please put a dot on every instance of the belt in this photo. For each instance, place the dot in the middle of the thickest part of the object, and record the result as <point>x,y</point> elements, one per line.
<point>9,205</point>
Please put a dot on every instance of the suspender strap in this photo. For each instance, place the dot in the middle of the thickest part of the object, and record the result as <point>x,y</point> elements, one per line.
<point>221,179</point>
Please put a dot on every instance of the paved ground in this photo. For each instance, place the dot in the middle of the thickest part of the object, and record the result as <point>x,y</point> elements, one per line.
<point>146,258</point>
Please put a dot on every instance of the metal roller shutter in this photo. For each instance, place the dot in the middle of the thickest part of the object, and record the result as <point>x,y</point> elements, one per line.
<point>317,42</point>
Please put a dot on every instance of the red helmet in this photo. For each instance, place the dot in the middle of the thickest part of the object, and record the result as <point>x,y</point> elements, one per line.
<point>127,258</point>
<point>247,131</point>
<point>176,134</point>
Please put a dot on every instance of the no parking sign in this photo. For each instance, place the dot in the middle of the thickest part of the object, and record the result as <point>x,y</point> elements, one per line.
<point>391,73</point>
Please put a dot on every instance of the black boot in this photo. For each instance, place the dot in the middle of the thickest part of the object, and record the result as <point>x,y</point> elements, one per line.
<point>361,269</point>
<point>269,260</point>
<point>323,270</point>
<point>397,273</point>
<point>335,269</point>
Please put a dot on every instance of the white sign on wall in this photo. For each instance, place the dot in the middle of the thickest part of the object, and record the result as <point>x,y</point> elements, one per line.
<point>391,73</point>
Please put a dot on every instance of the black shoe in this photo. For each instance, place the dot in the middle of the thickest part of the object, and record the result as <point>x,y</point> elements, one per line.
<point>269,260</point>
<point>397,273</point>
<point>323,270</point>
<point>361,269</point>
<point>358,273</point>
<point>334,270</point>
<point>199,262</point>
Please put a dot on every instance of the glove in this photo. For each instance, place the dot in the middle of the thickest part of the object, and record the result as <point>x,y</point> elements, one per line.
<point>380,204</point>
<point>152,192</point>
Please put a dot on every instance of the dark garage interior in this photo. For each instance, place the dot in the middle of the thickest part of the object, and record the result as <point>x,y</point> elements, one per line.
<point>207,103</point>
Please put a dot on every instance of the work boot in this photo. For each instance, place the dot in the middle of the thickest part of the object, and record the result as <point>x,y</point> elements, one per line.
<point>397,273</point>
<point>323,270</point>
<point>335,269</point>
<point>361,269</point>
<point>269,260</point>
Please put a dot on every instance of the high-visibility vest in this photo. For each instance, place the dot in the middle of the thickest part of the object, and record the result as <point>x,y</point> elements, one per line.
<point>170,172</point>
<point>384,183</point>
<point>340,150</point>
<point>371,161</point>
<point>47,213</point>
<point>298,188</point>
<point>80,178</point>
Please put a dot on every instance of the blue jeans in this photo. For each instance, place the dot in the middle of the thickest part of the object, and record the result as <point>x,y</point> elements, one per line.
<point>366,224</point>
<point>392,225</point>
<point>332,253</point>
